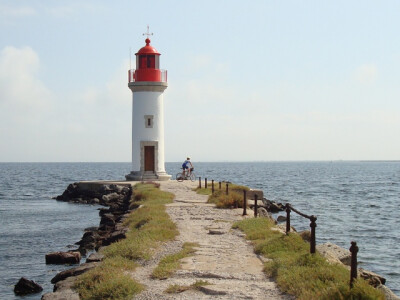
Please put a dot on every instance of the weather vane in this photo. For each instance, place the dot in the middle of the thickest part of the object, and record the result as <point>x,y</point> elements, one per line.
<point>148,33</point>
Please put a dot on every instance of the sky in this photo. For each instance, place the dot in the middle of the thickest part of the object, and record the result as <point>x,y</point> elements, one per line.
<point>247,80</point>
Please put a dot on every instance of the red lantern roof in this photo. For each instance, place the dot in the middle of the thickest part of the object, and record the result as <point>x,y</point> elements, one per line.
<point>148,49</point>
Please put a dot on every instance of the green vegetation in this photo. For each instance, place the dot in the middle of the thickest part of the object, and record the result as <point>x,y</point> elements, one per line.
<point>175,288</point>
<point>297,272</point>
<point>149,225</point>
<point>220,199</point>
<point>170,263</point>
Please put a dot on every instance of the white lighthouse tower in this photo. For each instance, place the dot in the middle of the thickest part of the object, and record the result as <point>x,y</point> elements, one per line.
<point>147,83</point>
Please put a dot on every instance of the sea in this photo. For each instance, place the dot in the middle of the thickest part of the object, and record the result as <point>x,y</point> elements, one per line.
<point>353,201</point>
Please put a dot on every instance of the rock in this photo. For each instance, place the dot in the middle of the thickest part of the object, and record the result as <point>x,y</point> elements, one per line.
<point>74,271</point>
<point>25,287</point>
<point>66,284</point>
<point>111,197</point>
<point>63,258</point>
<point>373,279</point>
<point>63,295</point>
<point>389,295</point>
<point>95,257</point>
<point>114,237</point>
<point>281,219</point>
<point>335,253</point>
<point>305,235</point>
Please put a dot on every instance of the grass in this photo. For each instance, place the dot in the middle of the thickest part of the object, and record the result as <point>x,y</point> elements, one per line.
<point>220,199</point>
<point>149,226</point>
<point>170,263</point>
<point>297,272</point>
<point>175,288</point>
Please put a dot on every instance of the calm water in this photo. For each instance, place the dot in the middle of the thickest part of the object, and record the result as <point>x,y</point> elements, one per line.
<point>352,200</point>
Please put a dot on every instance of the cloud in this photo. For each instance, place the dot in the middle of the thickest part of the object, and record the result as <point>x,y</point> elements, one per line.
<point>366,73</point>
<point>21,90</point>
<point>22,11</point>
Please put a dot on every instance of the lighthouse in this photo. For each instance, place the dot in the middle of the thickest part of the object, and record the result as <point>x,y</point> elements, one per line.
<point>147,83</point>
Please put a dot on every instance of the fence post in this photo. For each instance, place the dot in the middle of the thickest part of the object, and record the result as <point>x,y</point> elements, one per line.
<point>205,182</point>
<point>244,203</point>
<point>227,189</point>
<point>255,205</point>
<point>353,271</point>
<point>199,182</point>
<point>312,238</point>
<point>219,184</point>
<point>212,186</point>
<point>287,218</point>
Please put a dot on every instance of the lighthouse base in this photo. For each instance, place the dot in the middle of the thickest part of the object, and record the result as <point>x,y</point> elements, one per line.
<point>147,176</point>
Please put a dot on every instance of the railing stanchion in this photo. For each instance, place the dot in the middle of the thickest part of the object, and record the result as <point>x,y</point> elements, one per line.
<point>353,270</point>
<point>255,205</point>
<point>313,224</point>
<point>205,182</point>
<point>219,184</point>
<point>199,182</point>
<point>287,218</point>
<point>244,203</point>
<point>212,186</point>
<point>227,189</point>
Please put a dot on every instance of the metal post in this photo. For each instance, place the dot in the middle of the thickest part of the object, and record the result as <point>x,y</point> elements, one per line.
<point>219,184</point>
<point>212,186</point>
<point>287,218</point>
<point>255,205</point>
<point>205,182</point>
<point>312,238</point>
<point>227,189</point>
<point>199,182</point>
<point>353,270</point>
<point>244,203</point>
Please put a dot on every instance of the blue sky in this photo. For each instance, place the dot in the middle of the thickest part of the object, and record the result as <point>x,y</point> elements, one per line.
<point>248,81</point>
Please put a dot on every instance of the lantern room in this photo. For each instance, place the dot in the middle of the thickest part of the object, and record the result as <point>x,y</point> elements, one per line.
<point>147,65</point>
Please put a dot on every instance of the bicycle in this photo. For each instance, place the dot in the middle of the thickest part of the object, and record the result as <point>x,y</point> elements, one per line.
<point>180,177</point>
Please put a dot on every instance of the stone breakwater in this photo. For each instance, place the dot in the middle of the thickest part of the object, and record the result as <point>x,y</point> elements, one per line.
<point>115,196</point>
<point>223,258</point>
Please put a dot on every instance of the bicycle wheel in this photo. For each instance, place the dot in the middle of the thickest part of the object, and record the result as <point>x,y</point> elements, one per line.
<point>179,177</point>
<point>192,176</point>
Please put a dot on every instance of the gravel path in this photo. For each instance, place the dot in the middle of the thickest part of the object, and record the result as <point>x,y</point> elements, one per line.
<point>224,258</point>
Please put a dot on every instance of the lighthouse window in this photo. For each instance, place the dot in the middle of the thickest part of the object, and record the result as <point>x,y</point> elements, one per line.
<point>148,121</point>
<point>151,61</point>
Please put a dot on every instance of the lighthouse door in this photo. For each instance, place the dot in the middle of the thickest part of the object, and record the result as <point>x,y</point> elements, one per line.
<point>149,158</point>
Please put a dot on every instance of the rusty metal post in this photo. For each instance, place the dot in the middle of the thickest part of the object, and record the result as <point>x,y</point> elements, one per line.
<point>287,218</point>
<point>205,183</point>
<point>227,189</point>
<point>312,238</point>
<point>199,182</point>
<point>244,203</point>
<point>255,205</point>
<point>212,186</point>
<point>353,270</point>
<point>219,184</point>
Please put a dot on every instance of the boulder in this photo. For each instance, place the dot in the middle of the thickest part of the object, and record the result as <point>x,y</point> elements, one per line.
<point>63,257</point>
<point>389,295</point>
<point>281,219</point>
<point>74,271</point>
<point>95,257</point>
<point>25,286</point>
<point>373,279</point>
<point>305,235</point>
<point>63,295</point>
<point>334,253</point>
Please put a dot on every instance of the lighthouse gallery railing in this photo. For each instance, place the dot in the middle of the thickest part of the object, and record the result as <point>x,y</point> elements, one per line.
<point>132,74</point>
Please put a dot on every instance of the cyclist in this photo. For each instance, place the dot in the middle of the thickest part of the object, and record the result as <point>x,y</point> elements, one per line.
<point>185,167</point>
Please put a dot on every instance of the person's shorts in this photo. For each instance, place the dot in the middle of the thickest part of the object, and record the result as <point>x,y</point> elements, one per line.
<point>185,167</point>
